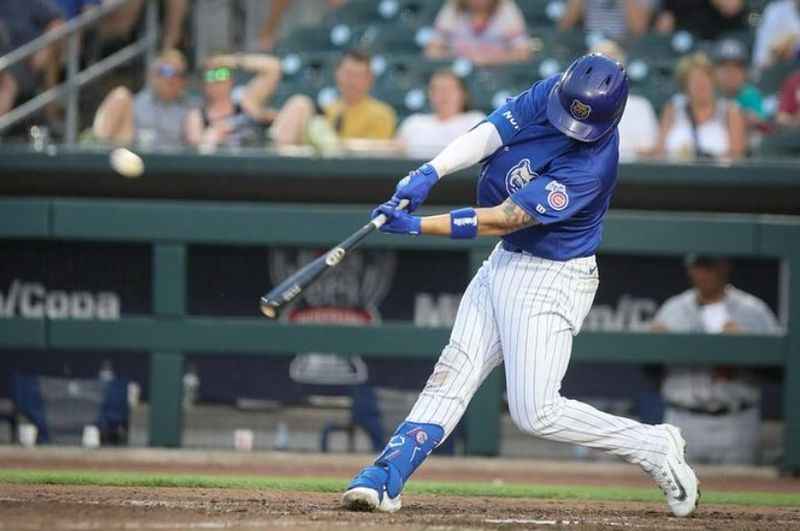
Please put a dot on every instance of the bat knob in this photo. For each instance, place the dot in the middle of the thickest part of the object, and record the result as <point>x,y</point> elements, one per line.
<point>269,311</point>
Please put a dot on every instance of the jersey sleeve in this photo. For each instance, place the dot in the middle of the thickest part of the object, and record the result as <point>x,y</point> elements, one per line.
<point>552,198</point>
<point>509,117</point>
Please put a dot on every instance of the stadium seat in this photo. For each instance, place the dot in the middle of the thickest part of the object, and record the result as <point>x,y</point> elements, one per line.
<point>413,13</point>
<point>320,39</point>
<point>542,12</point>
<point>772,78</point>
<point>656,47</point>
<point>394,39</point>
<point>563,46</point>
<point>783,143</point>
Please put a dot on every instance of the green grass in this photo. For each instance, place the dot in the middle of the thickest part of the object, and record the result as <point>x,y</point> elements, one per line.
<point>553,492</point>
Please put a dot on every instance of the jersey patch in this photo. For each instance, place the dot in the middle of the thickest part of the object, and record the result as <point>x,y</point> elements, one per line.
<point>558,199</point>
<point>520,175</point>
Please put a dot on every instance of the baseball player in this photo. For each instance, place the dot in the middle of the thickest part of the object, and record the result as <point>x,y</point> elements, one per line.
<point>549,170</point>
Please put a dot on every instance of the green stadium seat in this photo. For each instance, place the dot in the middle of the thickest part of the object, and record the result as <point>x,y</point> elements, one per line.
<point>782,143</point>
<point>320,39</point>
<point>657,88</point>
<point>414,13</point>
<point>361,13</point>
<point>564,46</point>
<point>542,12</point>
<point>772,78</point>
<point>392,39</point>
<point>652,47</point>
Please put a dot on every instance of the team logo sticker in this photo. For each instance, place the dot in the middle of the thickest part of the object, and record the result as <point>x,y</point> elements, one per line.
<point>520,175</point>
<point>558,199</point>
<point>579,110</point>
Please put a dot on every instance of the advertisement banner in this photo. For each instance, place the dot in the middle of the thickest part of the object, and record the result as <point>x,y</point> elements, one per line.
<point>104,281</point>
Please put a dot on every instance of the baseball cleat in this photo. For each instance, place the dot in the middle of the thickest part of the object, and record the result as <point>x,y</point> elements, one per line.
<point>675,477</point>
<point>367,492</point>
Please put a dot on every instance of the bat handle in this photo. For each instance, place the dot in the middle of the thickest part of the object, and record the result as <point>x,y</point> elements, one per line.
<point>379,221</point>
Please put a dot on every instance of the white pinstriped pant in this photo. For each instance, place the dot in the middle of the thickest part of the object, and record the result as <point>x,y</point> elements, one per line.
<point>524,311</point>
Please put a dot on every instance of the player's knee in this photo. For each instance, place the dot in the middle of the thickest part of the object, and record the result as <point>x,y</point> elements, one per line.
<point>453,372</point>
<point>540,419</point>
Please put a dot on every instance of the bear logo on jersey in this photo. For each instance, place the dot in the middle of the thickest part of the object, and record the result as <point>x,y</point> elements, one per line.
<point>519,176</point>
<point>557,198</point>
<point>579,110</point>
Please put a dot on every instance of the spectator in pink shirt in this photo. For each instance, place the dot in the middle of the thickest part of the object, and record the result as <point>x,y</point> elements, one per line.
<point>483,31</point>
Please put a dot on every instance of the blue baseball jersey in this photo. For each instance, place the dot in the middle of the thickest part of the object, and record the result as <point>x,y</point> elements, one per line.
<point>564,184</point>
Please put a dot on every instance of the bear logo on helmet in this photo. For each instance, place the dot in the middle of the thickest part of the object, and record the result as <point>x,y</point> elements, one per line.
<point>579,110</point>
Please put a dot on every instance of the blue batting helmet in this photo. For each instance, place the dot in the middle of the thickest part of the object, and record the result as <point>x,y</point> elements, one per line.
<point>589,99</point>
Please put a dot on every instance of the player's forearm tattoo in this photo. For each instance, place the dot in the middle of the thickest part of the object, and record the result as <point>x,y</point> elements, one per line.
<point>516,217</point>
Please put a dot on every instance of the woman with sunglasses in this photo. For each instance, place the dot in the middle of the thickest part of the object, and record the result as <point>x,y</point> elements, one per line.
<point>235,115</point>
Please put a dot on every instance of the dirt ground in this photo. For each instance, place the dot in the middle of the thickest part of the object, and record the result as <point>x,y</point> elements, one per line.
<point>61,508</point>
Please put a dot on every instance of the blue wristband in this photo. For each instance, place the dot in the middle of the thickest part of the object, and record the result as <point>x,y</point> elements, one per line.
<point>463,224</point>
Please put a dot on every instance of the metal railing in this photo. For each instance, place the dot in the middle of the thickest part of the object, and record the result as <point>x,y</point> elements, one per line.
<point>70,89</point>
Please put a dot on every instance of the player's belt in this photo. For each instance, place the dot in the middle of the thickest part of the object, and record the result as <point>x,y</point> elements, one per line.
<point>511,248</point>
<point>717,412</point>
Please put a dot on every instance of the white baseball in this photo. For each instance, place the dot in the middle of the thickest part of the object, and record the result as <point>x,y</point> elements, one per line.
<point>127,163</point>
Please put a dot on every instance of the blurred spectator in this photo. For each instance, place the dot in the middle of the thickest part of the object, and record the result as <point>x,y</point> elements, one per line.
<point>8,82</point>
<point>778,34</point>
<point>250,25</point>
<point>638,128</point>
<point>789,106</point>
<point>356,115</point>
<point>616,19</point>
<point>731,61</point>
<point>695,123</point>
<point>483,31</point>
<point>23,21</point>
<point>705,19</point>
<point>236,115</point>
<point>425,135</point>
<point>268,33</point>
<point>718,409</point>
<point>156,116</point>
<point>174,17</point>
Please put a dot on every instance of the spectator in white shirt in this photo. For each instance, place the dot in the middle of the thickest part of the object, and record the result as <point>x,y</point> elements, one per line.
<point>778,34</point>
<point>638,128</point>
<point>424,135</point>
<point>483,31</point>
<point>615,19</point>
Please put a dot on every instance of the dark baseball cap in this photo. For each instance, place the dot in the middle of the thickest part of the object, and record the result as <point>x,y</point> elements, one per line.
<point>730,50</point>
<point>703,260</point>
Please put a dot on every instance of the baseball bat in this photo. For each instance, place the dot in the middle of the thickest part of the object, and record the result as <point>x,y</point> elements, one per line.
<point>288,290</point>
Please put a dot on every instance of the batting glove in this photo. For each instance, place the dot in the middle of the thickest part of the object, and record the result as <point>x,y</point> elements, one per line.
<point>397,221</point>
<point>416,186</point>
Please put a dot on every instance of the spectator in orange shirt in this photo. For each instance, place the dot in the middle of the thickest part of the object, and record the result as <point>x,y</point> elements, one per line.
<point>356,114</point>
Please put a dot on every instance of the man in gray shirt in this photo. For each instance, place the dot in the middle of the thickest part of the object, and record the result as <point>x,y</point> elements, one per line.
<point>717,408</point>
<point>156,116</point>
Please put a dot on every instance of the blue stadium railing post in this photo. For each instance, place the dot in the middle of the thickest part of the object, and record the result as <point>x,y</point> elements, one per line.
<point>166,368</point>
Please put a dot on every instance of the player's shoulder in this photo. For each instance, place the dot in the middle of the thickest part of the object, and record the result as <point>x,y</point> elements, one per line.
<point>595,160</point>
